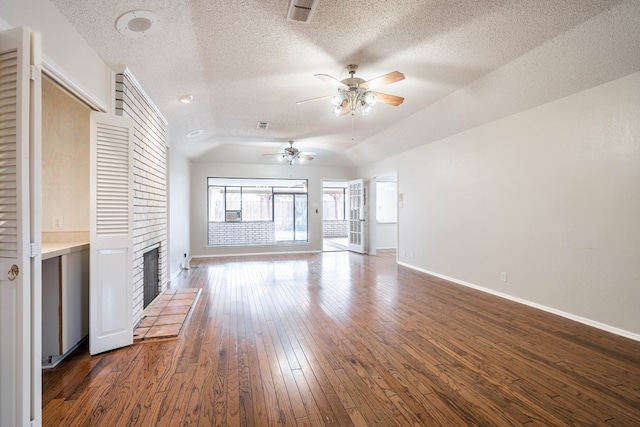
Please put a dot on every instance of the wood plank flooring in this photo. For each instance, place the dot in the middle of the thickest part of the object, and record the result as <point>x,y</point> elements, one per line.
<point>343,339</point>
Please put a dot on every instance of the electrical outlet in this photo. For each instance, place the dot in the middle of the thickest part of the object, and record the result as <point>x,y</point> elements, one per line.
<point>58,222</point>
<point>503,276</point>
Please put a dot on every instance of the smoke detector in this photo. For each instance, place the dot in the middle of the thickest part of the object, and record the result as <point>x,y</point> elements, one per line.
<point>138,23</point>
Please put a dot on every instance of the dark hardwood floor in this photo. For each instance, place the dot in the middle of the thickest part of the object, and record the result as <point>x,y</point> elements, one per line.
<point>343,339</point>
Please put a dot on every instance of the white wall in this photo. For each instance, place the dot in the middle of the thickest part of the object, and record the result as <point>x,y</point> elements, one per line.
<point>65,161</point>
<point>386,236</point>
<point>551,196</point>
<point>314,174</point>
<point>179,211</point>
<point>63,48</point>
<point>386,233</point>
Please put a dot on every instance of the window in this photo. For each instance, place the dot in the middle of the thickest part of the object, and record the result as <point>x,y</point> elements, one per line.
<point>291,217</point>
<point>260,211</point>
<point>216,203</point>
<point>232,203</point>
<point>257,204</point>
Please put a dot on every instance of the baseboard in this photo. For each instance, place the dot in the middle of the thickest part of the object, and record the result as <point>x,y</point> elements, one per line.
<point>53,361</point>
<point>256,253</point>
<point>174,276</point>
<point>583,320</point>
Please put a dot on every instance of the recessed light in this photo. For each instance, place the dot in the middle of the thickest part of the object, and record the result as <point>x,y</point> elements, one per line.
<point>186,99</point>
<point>195,133</point>
<point>138,23</point>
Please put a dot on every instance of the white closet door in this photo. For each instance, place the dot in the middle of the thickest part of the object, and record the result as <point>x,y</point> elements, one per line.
<point>111,260</point>
<point>16,352</point>
<point>356,216</point>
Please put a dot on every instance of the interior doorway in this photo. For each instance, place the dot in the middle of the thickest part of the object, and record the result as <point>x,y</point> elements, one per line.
<point>383,230</point>
<point>335,195</point>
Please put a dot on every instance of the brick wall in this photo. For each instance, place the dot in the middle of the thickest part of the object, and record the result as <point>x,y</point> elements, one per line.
<point>150,223</point>
<point>335,228</point>
<point>241,233</point>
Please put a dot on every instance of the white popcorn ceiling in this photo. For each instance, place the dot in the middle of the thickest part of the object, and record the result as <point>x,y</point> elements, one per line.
<point>244,62</point>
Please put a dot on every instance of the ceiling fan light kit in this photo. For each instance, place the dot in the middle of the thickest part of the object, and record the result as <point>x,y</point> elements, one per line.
<point>292,155</point>
<point>355,101</point>
<point>355,95</point>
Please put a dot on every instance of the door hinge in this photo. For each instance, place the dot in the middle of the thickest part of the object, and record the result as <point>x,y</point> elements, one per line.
<point>34,250</point>
<point>34,72</point>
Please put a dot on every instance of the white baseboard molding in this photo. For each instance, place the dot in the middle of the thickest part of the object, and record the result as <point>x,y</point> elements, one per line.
<point>583,320</point>
<point>256,253</point>
<point>174,276</point>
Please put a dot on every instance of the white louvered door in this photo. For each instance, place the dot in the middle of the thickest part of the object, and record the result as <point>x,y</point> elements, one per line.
<point>111,273</point>
<point>15,268</point>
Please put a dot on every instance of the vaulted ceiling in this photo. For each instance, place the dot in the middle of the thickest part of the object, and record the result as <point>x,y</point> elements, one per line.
<point>244,62</point>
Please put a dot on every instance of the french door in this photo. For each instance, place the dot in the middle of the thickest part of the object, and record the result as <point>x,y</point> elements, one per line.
<point>357,232</point>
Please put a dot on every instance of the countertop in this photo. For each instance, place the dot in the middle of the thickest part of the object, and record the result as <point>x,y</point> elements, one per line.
<point>55,249</point>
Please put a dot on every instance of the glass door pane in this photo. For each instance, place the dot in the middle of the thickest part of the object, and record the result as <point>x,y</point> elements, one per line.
<point>283,217</point>
<point>300,206</point>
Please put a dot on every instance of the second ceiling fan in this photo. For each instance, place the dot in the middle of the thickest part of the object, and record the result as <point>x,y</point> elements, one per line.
<point>292,155</point>
<point>355,95</point>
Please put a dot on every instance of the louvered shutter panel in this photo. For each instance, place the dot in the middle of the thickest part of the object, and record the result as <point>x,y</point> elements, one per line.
<point>8,156</point>
<point>19,131</point>
<point>111,246</point>
<point>112,180</point>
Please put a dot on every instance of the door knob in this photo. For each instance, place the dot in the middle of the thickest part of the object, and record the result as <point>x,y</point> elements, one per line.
<point>13,272</point>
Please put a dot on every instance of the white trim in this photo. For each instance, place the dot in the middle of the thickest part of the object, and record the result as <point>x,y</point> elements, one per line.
<point>53,71</point>
<point>583,320</point>
<point>128,74</point>
<point>255,253</point>
<point>150,248</point>
<point>174,277</point>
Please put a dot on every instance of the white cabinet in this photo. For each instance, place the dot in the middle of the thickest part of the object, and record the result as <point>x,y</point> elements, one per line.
<point>65,299</point>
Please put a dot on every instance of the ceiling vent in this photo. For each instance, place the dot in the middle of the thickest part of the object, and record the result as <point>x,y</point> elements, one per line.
<point>302,10</point>
<point>263,125</point>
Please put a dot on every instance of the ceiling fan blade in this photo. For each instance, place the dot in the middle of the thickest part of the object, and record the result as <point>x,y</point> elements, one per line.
<point>385,98</point>
<point>332,81</point>
<point>306,157</point>
<point>273,154</point>
<point>387,79</point>
<point>314,99</point>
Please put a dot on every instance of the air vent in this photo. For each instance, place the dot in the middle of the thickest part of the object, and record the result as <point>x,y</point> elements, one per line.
<point>263,125</point>
<point>302,10</point>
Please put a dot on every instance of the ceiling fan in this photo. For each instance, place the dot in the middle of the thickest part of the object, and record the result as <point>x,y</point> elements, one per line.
<point>293,155</point>
<point>356,96</point>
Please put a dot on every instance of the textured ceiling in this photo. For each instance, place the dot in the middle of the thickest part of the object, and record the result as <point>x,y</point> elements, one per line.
<point>244,62</point>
